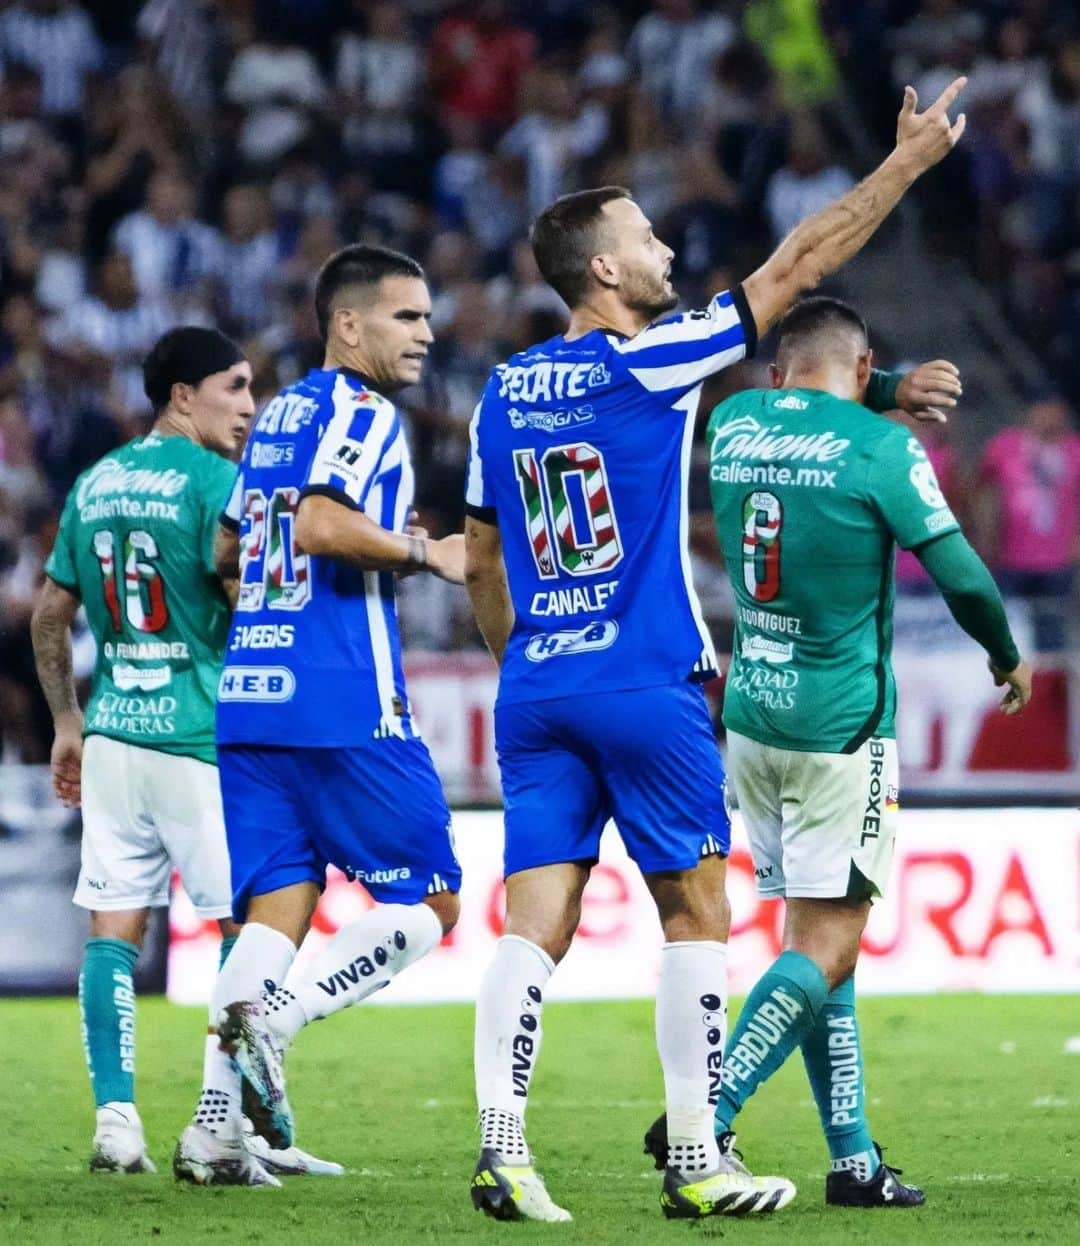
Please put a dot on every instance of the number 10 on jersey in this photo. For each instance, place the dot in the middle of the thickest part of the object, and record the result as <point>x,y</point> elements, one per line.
<point>762,519</point>
<point>569,514</point>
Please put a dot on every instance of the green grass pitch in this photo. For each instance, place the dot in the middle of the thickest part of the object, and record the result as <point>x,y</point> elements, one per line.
<point>974,1096</point>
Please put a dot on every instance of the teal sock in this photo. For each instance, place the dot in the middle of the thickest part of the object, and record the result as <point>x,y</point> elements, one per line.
<point>778,1014</point>
<point>107,1005</point>
<point>832,1052</point>
<point>227,942</point>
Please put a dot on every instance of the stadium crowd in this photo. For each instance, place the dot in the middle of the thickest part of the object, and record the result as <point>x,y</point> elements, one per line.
<point>195,161</point>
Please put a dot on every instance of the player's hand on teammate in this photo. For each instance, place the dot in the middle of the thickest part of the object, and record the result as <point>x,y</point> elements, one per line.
<point>1018,693</point>
<point>930,390</point>
<point>926,137</point>
<point>412,528</point>
<point>446,558</point>
<point>66,761</point>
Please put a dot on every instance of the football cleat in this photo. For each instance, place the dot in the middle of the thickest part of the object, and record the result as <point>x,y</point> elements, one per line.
<point>119,1143</point>
<point>249,1042</point>
<point>884,1189</point>
<point>726,1191</point>
<point>512,1191</point>
<point>205,1159</point>
<point>290,1162</point>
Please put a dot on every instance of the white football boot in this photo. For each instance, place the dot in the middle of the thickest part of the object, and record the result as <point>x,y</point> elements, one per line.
<point>288,1161</point>
<point>119,1142</point>
<point>204,1158</point>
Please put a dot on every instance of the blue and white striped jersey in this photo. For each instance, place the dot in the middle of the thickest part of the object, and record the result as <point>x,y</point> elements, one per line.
<point>580,451</point>
<point>314,656</point>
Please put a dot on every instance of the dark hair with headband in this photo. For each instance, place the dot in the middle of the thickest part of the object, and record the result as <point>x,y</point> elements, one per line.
<point>186,356</point>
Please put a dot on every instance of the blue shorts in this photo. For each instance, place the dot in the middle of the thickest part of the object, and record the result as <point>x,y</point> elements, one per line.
<point>646,757</point>
<point>377,812</point>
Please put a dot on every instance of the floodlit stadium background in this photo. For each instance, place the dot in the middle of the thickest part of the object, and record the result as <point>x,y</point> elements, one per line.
<point>177,162</point>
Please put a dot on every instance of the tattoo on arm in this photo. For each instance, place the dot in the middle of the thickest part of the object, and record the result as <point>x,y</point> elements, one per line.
<point>52,655</point>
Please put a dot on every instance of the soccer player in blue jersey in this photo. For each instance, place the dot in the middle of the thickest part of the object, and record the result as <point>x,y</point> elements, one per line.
<point>319,758</point>
<point>578,571</point>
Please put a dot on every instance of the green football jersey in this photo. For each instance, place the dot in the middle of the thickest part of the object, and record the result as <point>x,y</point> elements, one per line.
<point>136,545</point>
<point>811,496</point>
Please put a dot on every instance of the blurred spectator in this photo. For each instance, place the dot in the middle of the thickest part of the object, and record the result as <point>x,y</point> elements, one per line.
<point>1030,512</point>
<point>281,89</point>
<point>478,60</point>
<point>809,180</point>
<point>109,332</point>
<point>169,250</point>
<point>187,46</point>
<point>556,134</point>
<point>247,261</point>
<point>671,51</point>
<point>57,39</point>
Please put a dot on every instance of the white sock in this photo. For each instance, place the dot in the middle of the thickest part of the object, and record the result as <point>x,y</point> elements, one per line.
<point>260,954</point>
<point>864,1164</point>
<point>691,1026</point>
<point>359,960</point>
<point>507,1043</point>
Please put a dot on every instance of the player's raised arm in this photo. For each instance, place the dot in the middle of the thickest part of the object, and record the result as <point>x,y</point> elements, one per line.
<point>50,627</point>
<point>828,239</point>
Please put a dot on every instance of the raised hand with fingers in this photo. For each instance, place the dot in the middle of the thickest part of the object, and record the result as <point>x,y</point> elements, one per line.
<point>924,138</point>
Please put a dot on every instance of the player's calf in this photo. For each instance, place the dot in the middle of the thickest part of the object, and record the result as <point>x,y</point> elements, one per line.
<point>250,1043</point>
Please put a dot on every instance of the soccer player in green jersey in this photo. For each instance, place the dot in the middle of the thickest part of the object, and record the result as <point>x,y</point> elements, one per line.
<point>135,550</point>
<point>812,495</point>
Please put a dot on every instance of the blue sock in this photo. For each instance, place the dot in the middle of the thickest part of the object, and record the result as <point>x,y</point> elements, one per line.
<point>107,1004</point>
<point>227,942</point>
<point>832,1052</point>
<point>778,1014</point>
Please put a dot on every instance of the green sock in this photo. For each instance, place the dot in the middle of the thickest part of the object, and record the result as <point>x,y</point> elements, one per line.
<point>107,1005</point>
<point>832,1052</point>
<point>779,1012</point>
<point>227,942</point>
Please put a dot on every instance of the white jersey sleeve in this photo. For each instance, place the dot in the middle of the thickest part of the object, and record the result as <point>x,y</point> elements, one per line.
<point>234,507</point>
<point>360,429</point>
<point>679,353</point>
<point>479,497</point>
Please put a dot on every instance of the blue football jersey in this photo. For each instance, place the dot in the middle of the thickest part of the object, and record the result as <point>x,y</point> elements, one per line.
<point>580,451</point>
<point>314,656</point>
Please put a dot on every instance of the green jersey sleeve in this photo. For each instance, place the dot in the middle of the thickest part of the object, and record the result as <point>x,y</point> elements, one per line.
<point>217,486</point>
<point>903,487</point>
<point>60,565</point>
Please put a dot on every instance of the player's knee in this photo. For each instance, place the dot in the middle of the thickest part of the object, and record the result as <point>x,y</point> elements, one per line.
<point>447,908</point>
<point>129,925</point>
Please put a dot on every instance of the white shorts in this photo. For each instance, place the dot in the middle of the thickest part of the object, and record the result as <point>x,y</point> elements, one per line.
<point>143,813</point>
<point>821,825</point>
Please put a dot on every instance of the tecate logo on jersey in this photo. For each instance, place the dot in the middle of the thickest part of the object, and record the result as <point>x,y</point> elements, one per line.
<point>584,640</point>
<point>111,477</point>
<point>256,683</point>
<point>745,438</point>
<point>547,382</point>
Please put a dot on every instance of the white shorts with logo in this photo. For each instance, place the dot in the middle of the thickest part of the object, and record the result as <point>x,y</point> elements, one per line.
<point>821,825</point>
<point>145,812</point>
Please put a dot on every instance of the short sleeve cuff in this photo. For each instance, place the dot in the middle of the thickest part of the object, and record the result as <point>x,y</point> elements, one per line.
<point>746,317</point>
<point>483,514</point>
<point>329,491</point>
